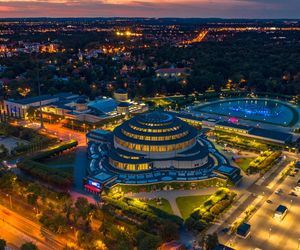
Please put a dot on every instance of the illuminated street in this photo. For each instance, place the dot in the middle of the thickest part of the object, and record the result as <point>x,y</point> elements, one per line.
<point>65,133</point>
<point>18,230</point>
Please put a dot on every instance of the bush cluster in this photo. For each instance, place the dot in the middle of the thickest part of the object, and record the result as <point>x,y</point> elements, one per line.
<point>209,210</point>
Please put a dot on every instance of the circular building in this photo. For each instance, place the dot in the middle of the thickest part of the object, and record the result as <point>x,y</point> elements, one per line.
<point>156,140</point>
<point>123,108</point>
<point>120,95</point>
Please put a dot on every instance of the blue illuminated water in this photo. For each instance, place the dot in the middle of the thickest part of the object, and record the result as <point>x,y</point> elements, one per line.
<point>253,109</point>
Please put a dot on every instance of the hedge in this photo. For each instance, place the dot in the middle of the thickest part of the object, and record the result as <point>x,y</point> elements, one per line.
<point>209,210</point>
<point>267,163</point>
<point>141,211</point>
<point>55,150</point>
<point>50,175</point>
<point>43,172</point>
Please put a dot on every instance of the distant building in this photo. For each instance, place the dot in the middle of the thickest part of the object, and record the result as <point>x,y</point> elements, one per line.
<point>120,95</point>
<point>19,108</point>
<point>254,132</point>
<point>73,106</point>
<point>123,108</point>
<point>172,73</point>
<point>268,135</point>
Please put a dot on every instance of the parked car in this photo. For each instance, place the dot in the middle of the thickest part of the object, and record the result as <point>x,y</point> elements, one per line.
<point>293,194</point>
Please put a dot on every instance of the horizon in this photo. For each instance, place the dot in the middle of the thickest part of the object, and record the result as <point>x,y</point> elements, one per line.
<point>157,18</point>
<point>229,9</point>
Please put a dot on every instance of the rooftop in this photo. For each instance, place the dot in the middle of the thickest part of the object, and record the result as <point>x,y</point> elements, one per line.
<point>271,134</point>
<point>26,101</point>
<point>233,125</point>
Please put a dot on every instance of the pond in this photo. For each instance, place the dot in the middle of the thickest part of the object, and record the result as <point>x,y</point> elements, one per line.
<point>262,110</point>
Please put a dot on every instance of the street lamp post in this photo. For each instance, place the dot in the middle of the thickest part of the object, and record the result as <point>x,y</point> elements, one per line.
<point>10,201</point>
<point>270,230</point>
<point>298,243</point>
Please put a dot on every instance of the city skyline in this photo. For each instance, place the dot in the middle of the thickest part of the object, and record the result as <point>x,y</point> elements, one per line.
<point>151,8</point>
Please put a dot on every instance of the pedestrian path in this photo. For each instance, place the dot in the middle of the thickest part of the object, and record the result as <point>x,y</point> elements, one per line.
<point>171,195</point>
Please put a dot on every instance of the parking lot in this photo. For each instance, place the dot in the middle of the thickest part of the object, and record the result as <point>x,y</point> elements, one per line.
<point>270,233</point>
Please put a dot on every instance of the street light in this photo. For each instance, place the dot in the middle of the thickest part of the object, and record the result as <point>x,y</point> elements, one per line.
<point>10,201</point>
<point>270,230</point>
<point>298,243</point>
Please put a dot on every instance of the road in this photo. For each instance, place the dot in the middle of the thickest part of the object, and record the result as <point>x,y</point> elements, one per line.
<point>65,133</point>
<point>16,230</point>
<point>268,233</point>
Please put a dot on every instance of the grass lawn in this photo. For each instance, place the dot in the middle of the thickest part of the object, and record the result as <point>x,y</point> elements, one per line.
<point>63,163</point>
<point>165,205</point>
<point>187,204</point>
<point>243,163</point>
<point>62,160</point>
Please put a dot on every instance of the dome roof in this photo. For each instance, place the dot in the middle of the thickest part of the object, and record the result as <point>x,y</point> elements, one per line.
<point>120,91</point>
<point>155,117</point>
<point>124,104</point>
<point>151,130</point>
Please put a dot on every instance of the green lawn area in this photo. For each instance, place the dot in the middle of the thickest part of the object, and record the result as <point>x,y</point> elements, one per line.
<point>63,163</point>
<point>243,163</point>
<point>165,205</point>
<point>187,204</point>
<point>62,160</point>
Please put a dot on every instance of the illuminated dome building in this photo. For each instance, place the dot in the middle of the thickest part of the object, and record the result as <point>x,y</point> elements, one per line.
<point>156,141</point>
<point>152,148</point>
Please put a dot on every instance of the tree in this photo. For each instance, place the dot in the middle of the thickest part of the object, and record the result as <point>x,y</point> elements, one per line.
<point>2,244</point>
<point>150,242</point>
<point>31,112</point>
<point>209,242</point>
<point>169,231</point>
<point>32,199</point>
<point>29,246</point>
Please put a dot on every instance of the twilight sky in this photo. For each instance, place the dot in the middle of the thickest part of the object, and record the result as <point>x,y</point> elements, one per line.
<point>151,8</point>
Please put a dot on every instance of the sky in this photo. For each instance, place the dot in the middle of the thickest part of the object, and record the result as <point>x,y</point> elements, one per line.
<point>151,8</point>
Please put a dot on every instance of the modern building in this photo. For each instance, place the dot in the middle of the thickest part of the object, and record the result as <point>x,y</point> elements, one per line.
<point>272,136</point>
<point>120,95</point>
<point>156,141</point>
<point>19,108</point>
<point>149,148</point>
<point>123,108</point>
<point>73,106</point>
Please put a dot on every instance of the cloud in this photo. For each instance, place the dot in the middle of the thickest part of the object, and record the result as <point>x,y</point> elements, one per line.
<point>151,8</point>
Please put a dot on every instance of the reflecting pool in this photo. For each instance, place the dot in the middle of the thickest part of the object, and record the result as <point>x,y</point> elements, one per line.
<point>263,110</point>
